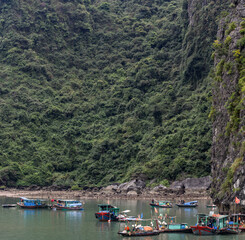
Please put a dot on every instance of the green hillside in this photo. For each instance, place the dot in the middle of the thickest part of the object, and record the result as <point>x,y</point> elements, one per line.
<point>93,92</point>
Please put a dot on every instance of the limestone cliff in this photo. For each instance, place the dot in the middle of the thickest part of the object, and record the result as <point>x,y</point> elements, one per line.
<point>228,111</point>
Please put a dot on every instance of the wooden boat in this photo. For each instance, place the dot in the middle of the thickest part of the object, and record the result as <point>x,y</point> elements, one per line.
<point>67,205</point>
<point>191,204</point>
<point>214,224</point>
<point>9,205</point>
<point>173,227</point>
<point>176,228</point>
<point>206,225</point>
<point>161,204</point>
<point>138,231</point>
<point>107,212</point>
<point>139,234</point>
<point>238,219</point>
<point>203,230</point>
<point>31,203</point>
<point>228,230</point>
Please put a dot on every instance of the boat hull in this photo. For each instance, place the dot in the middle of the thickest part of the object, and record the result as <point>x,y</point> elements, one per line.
<point>138,234</point>
<point>32,207</point>
<point>184,230</point>
<point>203,230</point>
<point>106,216</point>
<point>226,231</point>
<point>242,229</point>
<point>57,207</point>
<point>160,206</point>
<point>187,206</point>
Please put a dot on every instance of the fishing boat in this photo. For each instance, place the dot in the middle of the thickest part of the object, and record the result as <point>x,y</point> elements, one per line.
<point>67,204</point>
<point>238,219</point>
<point>214,224</point>
<point>191,204</point>
<point>139,233</point>
<point>136,230</point>
<point>173,227</point>
<point>107,212</point>
<point>32,203</point>
<point>161,204</point>
<point>226,226</point>
<point>206,225</point>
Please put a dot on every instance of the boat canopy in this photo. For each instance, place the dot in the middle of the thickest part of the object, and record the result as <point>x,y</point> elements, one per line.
<point>68,201</point>
<point>31,200</point>
<point>192,202</point>
<point>108,207</point>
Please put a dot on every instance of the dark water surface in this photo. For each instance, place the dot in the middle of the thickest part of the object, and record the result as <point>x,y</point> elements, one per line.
<point>20,224</point>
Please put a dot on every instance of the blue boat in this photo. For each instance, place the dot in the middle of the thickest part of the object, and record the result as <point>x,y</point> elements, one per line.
<point>107,212</point>
<point>187,204</point>
<point>67,204</point>
<point>31,203</point>
<point>161,204</point>
<point>173,227</point>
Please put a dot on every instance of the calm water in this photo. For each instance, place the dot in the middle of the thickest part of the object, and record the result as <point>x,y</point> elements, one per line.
<point>19,224</point>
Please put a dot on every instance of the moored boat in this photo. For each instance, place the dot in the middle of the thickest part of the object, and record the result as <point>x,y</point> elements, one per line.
<point>191,204</point>
<point>32,203</point>
<point>135,230</point>
<point>173,227</point>
<point>161,204</point>
<point>107,212</point>
<point>139,234</point>
<point>9,205</point>
<point>67,205</point>
<point>203,230</point>
<point>238,219</point>
<point>176,228</point>
<point>214,224</point>
<point>206,225</point>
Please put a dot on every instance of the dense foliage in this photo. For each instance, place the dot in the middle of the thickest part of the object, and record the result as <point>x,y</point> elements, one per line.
<point>93,92</point>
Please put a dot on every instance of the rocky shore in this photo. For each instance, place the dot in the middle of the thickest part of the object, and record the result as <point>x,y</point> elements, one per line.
<point>136,189</point>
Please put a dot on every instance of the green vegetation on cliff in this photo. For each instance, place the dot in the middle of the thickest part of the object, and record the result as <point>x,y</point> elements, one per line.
<point>228,107</point>
<point>93,92</point>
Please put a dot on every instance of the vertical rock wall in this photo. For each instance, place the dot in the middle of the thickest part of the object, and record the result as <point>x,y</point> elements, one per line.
<point>228,110</point>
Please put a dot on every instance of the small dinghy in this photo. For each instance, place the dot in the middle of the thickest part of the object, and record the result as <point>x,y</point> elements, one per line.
<point>191,204</point>
<point>9,205</point>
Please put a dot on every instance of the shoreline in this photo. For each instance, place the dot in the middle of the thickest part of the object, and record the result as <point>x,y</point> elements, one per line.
<point>83,194</point>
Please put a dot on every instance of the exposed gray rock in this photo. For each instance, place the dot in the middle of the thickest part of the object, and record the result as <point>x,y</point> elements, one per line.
<point>159,188</point>
<point>228,122</point>
<point>132,193</point>
<point>109,189</point>
<point>193,183</point>
<point>134,185</point>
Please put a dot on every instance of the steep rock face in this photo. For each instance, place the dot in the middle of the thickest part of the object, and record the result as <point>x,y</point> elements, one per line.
<point>228,110</point>
<point>201,28</point>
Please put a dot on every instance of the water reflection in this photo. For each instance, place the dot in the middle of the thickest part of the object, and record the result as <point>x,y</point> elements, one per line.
<point>29,224</point>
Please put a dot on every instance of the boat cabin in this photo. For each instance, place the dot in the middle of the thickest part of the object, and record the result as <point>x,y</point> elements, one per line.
<point>172,225</point>
<point>68,203</point>
<point>213,221</point>
<point>31,202</point>
<point>237,218</point>
<point>108,208</point>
